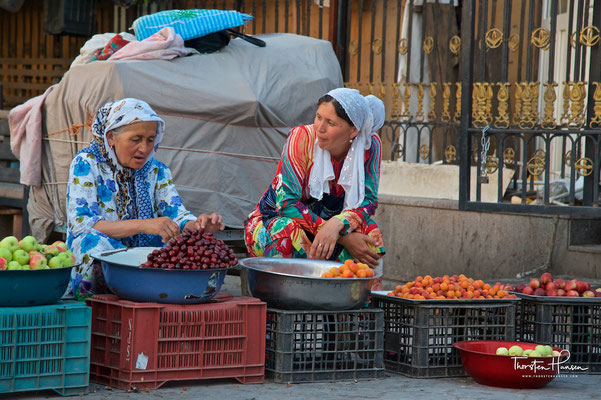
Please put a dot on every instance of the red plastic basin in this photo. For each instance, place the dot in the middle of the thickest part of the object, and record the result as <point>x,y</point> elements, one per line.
<point>487,368</point>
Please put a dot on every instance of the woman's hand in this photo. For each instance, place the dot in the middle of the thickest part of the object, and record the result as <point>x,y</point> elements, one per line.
<point>163,226</point>
<point>209,223</point>
<point>356,244</point>
<point>325,240</point>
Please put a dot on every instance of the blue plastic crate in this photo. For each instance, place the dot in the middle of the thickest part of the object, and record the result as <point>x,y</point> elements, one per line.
<point>45,347</point>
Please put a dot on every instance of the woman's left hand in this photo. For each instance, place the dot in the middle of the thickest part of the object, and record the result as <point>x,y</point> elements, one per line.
<point>325,240</point>
<point>210,223</point>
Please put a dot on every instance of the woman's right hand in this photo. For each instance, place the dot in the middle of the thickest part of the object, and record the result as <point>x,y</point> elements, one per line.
<point>357,244</point>
<point>163,226</point>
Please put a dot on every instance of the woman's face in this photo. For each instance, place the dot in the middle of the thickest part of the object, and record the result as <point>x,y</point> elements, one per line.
<point>134,144</point>
<point>333,133</point>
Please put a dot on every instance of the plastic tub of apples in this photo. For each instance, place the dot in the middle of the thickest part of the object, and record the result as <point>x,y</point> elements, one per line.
<point>546,289</point>
<point>508,364</point>
<point>33,274</point>
<point>189,269</point>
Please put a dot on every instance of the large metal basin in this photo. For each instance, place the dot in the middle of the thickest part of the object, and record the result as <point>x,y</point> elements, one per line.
<point>129,281</point>
<point>296,284</point>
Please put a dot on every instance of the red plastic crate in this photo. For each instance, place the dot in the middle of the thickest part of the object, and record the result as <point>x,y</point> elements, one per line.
<point>147,344</point>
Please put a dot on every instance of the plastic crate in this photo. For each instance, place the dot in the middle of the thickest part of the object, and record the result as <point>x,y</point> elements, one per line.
<point>321,346</point>
<point>573,324</point>
<point>45,347</point>
<point>419,335</point>
<point>147,344</point>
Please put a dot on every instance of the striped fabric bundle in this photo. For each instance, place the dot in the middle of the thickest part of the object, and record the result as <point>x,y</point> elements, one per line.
<point>190,24</point>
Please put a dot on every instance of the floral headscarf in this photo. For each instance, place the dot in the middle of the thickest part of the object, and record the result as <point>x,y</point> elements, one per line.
<point>133,198</point>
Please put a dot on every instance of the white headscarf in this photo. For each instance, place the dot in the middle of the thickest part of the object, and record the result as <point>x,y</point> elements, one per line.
<point>352,175</point>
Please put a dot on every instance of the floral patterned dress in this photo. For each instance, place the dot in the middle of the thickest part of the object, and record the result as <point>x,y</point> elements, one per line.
<point>92,196</point>
<point>286,219</point>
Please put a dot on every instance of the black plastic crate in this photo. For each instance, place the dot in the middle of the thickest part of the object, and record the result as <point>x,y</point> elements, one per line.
<point>573,324</point>
<point>323,346</point>
<point>419,334</point>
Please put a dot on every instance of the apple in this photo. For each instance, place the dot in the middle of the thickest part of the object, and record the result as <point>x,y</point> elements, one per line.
<point>598,290</point>
<point>508,288</point>
<point>587,286</point>
<point>50,250</point>
<point>28,243</point>
<point>534,283</point>
<point>528,290</point>
<point>62,246</point>
<point>572,293</point>
<point>515,351</point>
<point>25,266</point>
<point>548,350</point>
<point>561,292</point>
<point>10,242</point>
<point>550,286</point>
<point>55,262</point>
<point>539,292</point>
<point>21,257</point>
<point>3,264</point>
<point>520,288</point>
<point>13,266</point>
<point>597,294</point>
<point>67,258</point>
<point>6,254</point>
<point>560,283</point>
<point>556,353</point>
<point>588,293</point>
<point>502,351</point>
<point>546,278</point>
<point>570,285</point>
<point>580,287</point>
<point>535,354</point>
<point>552,292</point>
<point>540,349</point>
<point>38,262</point>
<point>527,352</point>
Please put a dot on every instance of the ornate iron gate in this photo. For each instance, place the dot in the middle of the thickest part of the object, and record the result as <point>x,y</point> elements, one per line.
<point>531,90</point>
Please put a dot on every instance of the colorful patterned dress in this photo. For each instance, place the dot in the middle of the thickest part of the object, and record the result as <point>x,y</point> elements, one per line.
<point>92,196</point>
<point>287,219</point>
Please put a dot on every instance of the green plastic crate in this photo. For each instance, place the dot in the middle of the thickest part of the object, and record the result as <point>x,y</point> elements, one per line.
<point>45,347</point>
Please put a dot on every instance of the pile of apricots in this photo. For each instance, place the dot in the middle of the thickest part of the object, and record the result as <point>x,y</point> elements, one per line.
<point>349,269</point>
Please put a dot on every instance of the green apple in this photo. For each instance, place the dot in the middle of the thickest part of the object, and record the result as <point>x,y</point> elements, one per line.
<point>548,351</point>
<point>55,262</point>
<point>535,354</point>
<point>502,351</point>
<point>25,266</point>
<point>28,243</point>
<point>540,349</point>
<point>50,250</point>
<point>62,246</point>
<point>67,259</point>
<point>10,242</point>
<point>21,257</point>
<point>6,254</point>
<point>527,352</point>
<point>13,266</point>
<point>515,351</point>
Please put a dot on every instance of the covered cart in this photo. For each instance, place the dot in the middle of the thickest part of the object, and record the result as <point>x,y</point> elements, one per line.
<point>227,114</point>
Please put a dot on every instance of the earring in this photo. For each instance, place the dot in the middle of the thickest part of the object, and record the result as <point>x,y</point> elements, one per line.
<point>350,141</point>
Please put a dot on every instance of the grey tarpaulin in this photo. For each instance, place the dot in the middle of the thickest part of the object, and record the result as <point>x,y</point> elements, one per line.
<point>227,117</point>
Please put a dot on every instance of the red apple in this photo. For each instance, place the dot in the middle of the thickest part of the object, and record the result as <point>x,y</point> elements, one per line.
<point>587,286</point>
<point>572,293</point>
<point>570,285</point>
<point>561,292</point>
<point>580,287</point>
<point>560,283</point>
<point>539,292</point>
<point>550,286</point>
<point>520,288</point>
<point>597,294</point>
<point>551,292</point>
<point>546,278</point>
<point>588,293</point>
<point>3,263</point>
<point>528,290</point>
<point>534,283</point>
<point>508,288</point>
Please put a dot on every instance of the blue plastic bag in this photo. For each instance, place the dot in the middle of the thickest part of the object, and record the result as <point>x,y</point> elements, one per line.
<point>190,24</point>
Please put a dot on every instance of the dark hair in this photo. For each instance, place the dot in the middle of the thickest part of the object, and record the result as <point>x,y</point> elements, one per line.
<point>326,98</point>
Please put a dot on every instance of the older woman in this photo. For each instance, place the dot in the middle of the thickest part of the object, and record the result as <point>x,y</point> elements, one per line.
<point>119,195</point>
<point>320,203</point>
